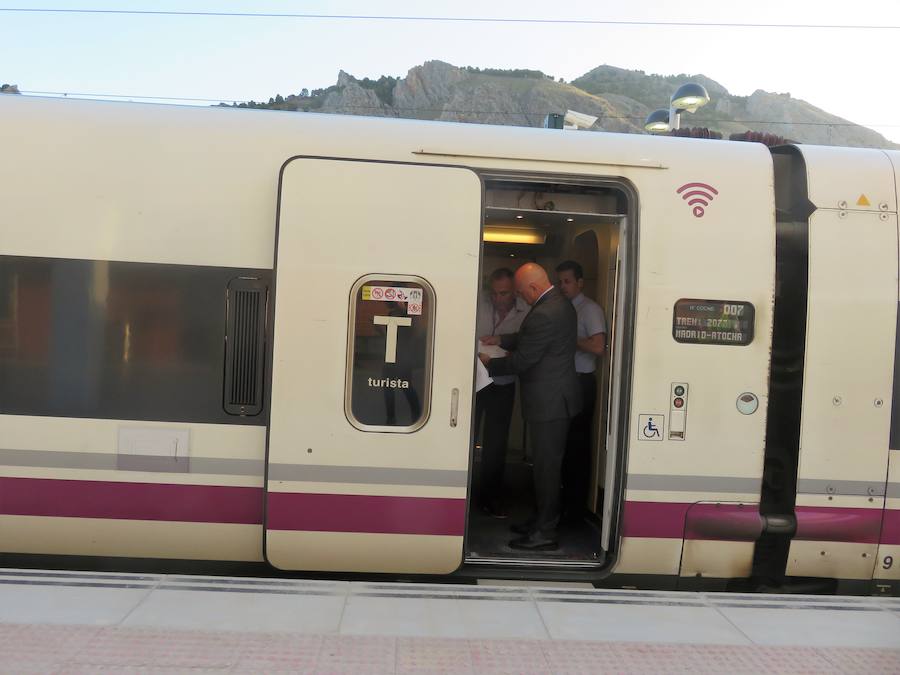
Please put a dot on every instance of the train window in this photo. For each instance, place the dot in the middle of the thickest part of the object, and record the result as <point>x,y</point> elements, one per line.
<point>115,340</point>
<point>388,380</point>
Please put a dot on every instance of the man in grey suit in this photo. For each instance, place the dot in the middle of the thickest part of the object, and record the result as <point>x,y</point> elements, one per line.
<point>542,354</point>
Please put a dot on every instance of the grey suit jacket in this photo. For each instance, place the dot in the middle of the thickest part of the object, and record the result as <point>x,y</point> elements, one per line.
<point>542,354</point>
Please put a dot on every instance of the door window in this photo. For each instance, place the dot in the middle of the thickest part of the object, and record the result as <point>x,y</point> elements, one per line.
<point>388,386</point>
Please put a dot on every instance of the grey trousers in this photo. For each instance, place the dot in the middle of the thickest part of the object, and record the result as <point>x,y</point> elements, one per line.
<point>548,442</point>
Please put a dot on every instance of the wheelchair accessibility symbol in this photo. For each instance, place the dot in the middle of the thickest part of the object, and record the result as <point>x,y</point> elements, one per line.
<point>650,427</point>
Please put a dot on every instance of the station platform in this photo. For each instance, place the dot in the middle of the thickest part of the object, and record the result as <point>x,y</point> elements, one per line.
<point>86,622</point>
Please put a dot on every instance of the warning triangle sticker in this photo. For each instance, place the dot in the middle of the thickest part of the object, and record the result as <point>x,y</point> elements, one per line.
<point>863,201</point>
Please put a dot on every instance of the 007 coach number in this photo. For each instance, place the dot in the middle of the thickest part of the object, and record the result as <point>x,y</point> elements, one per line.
<point>713,322</point>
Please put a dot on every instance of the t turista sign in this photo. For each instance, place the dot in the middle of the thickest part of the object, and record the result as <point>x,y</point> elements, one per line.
<point>388,383</point>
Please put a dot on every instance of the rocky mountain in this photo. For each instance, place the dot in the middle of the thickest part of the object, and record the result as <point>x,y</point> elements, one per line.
<point>620,98</point>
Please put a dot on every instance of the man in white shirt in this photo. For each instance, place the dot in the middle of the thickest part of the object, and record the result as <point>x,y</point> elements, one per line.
<point>591,345</point>
<point>499,313</point>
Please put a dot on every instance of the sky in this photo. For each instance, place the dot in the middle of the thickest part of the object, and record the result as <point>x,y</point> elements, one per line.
<point>849,72</point>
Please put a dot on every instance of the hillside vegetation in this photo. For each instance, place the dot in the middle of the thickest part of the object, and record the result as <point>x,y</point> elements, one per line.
<point>620,98</point>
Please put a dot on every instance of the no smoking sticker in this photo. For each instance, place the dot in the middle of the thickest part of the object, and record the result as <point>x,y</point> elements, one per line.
<point>411,296</point>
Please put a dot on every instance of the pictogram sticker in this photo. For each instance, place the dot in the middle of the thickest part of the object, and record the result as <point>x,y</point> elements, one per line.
<point>651,426</point>
<point>863,201</point>
<point>414,308</point>
<point>394,294</point>
<point>698,196</point>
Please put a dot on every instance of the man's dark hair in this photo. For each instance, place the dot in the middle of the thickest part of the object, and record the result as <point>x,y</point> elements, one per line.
<point>500,273</point>
<point>571,266</point>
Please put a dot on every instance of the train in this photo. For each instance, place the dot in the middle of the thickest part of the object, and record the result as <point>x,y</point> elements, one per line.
<point>235,336</point>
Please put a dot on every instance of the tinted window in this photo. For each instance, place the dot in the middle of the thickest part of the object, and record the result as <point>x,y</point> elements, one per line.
<point>116,340</point>
<point>389,365</point>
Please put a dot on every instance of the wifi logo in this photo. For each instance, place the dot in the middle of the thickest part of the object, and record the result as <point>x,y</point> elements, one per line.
<point>697,195</point>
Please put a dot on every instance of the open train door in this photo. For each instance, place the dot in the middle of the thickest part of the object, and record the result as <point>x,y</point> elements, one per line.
<point>623,298</point>
<point>372,366</point>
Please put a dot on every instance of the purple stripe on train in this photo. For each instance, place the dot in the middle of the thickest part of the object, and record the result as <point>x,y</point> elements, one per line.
<point>405,515</point>
<point>890,528</point>
<point>676,520</point>
<point>654,519</point>
<point>742,522</point>
<point>826,523</point>
<point>130,501</point>
<point>366,513</point>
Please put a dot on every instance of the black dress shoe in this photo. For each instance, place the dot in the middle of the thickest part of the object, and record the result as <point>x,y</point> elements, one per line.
<point>535,542</point>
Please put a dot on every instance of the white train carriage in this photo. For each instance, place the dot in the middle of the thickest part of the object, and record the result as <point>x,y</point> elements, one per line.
<point>242,336</point>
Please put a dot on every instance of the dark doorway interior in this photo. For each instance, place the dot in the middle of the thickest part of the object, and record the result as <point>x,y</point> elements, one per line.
<point>488,537</point>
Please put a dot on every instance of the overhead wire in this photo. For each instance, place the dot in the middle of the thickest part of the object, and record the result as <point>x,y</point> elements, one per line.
<point>448,19</point>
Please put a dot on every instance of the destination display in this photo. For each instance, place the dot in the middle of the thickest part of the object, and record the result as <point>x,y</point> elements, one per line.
<point>713,322</point>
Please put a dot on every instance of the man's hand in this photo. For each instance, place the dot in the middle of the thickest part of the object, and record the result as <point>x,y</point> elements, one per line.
<point>485,359</point>
<point>490,340</point>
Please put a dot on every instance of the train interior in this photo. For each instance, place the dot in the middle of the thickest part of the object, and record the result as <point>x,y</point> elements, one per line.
<point>549,222</point>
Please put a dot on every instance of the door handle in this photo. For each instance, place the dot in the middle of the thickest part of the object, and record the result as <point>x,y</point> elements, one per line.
<point>454,407</point>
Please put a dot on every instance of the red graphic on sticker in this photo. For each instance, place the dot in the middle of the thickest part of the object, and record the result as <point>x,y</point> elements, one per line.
<point>377,293</point>
<point>389,293</point>
<point>414,308</point>
<point>401,295</point>
<point>697,195</point>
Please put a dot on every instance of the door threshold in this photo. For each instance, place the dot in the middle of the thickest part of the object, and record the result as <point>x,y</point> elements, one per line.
<point>542,563</point>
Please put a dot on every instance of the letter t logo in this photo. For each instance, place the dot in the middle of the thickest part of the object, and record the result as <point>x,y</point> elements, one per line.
<point>392,323</point>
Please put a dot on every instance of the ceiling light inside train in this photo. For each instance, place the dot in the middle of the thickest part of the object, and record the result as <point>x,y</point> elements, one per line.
<point>515,235</point>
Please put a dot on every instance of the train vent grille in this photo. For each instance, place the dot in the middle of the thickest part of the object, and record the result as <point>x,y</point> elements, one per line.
<point>245,347</point>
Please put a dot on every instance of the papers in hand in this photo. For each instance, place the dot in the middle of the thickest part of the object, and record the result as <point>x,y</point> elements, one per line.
<point>482,379</point>
<point>494,351</point>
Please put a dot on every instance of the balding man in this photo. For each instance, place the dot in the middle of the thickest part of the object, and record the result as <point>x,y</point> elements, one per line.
<point>542,354</point>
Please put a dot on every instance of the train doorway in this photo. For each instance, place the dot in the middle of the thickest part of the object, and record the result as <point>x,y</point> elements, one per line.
<point>551,222</point>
